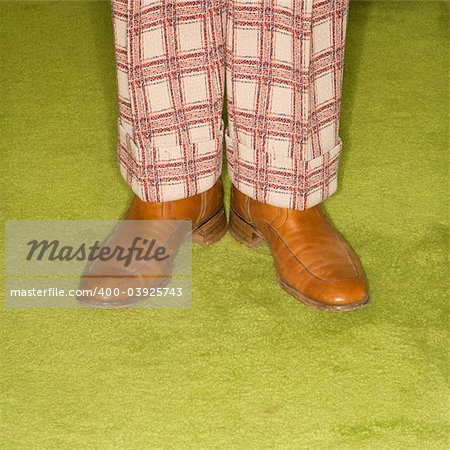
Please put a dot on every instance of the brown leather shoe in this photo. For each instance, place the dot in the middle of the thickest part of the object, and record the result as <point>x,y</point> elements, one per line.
<point>209,224</point>
<point>313,262</point>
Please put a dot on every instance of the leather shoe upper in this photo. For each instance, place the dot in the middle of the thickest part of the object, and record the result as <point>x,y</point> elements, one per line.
<point>312,259</point>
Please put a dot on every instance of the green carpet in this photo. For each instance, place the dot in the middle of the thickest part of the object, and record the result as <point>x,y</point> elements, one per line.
<point>248,366</point>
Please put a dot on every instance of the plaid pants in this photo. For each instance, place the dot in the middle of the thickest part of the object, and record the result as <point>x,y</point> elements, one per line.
<point>280,62</point>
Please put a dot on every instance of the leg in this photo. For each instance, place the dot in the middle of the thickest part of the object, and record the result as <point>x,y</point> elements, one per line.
<point>170,63</point>
<point>284,72</point>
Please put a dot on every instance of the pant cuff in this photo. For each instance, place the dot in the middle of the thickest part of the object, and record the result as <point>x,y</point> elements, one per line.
<point>162,174</point>
<point>283,181</point>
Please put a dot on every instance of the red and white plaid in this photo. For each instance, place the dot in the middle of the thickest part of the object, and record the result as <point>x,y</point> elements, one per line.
<point>281,62</point>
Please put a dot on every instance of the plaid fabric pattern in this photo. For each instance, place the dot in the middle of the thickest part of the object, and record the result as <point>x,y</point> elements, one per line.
<point>281,62</point>
<point>170,70</point>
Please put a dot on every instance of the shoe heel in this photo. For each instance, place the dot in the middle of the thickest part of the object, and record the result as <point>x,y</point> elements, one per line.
<point>211,231</point>
<point>243,232</point>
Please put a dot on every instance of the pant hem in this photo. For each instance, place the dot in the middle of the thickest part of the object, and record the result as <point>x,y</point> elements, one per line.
<point>162,174</point>
<point>283,181</point>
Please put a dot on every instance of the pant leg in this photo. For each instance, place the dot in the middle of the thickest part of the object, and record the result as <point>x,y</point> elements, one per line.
<point>170,72</point>
<point>284,72</point>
